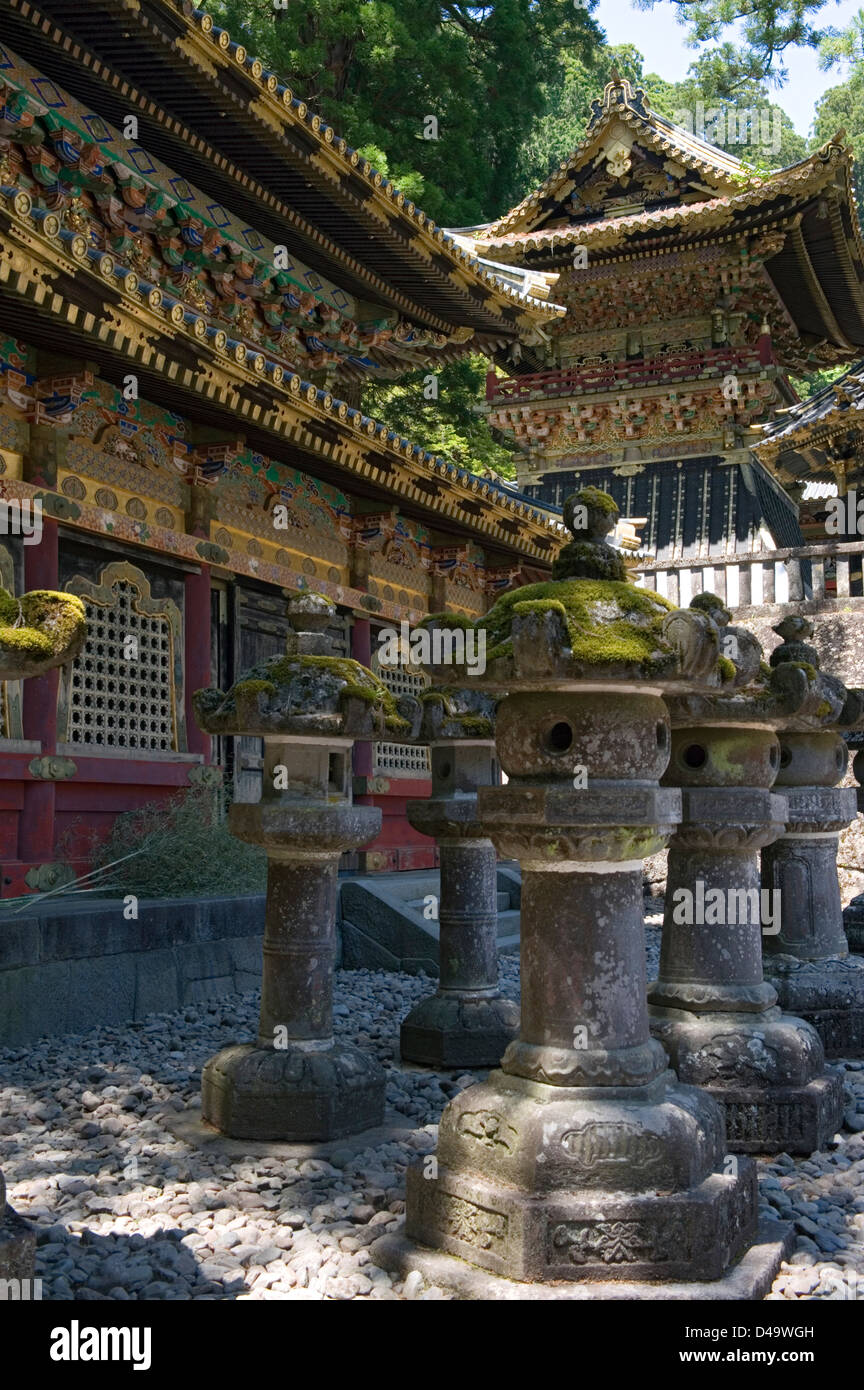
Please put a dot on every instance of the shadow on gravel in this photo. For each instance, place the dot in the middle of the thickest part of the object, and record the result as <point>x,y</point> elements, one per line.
<point>128,1268</point>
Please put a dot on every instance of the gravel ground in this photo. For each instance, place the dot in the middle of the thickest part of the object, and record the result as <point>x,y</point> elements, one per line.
<point>125,1210</point>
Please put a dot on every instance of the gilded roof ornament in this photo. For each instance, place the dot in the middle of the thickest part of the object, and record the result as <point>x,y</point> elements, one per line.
<point>618,92</point>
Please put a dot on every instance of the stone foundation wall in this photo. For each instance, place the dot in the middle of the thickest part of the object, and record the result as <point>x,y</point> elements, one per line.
<point>838,636</point>
<point>68,966</point>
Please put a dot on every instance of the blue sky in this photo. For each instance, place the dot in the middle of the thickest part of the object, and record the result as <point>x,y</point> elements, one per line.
<point>658,35</point>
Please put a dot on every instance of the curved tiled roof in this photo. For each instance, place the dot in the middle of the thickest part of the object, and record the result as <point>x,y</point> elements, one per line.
<point>805,177</point>
<point>240,121</point>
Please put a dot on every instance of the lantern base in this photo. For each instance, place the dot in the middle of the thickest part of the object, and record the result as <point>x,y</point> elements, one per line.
<point>766,1070</point>
<point>828,994</point>
<point>750,1279</point>
<point>539,1183</point>
<point>458,1030</point>
<point>295,1093</point>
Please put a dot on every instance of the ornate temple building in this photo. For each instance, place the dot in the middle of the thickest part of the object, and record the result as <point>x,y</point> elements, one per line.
<point>197,278</point>
<point>197,275</point>
<point>692,287</point>
<point>815,449</point>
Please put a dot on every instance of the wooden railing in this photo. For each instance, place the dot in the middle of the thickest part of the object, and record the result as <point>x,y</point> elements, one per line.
<point>770,576</point>
<point>613,376</point>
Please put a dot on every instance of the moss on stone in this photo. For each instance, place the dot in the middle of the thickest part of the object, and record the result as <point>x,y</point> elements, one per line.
<point>727,668</point>
<point>595,497</point>
<point>476,724</point>
<point>824,708</point>
<point>708,603</point>
<point>359,684</point>
<point>254,687</point>
<point>48,623</point>
<point>608,622</point>
<point>810,671</point>
<point>449,620</point>
<point>589,559</point>
<point>539,605</point>
<point>500,649</point>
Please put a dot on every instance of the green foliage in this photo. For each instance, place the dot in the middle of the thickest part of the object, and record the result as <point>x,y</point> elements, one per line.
<point>449,425</point>
<point>185,849</point>
<point>842,107</point>
<point>812,382</point>
<point>375,69</point>
<point>713,94</point>
<point>766,29</point>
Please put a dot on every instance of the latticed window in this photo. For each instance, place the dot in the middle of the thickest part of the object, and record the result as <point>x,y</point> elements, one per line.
<point>400,759</point>
<point>122,685</point>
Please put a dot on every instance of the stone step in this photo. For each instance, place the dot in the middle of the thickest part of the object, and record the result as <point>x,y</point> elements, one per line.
<point>503,902</point>
<point>383,922</point>
<point>508,923</point>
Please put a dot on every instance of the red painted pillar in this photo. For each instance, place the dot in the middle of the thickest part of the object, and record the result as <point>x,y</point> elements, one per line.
<point>196,630</point>
<point>39,712</point>
<point>361,650</point>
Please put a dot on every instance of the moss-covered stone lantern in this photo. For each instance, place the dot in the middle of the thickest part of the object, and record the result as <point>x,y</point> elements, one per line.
<point>581,1160</point>
<point>808,959</point>
<point>711,1008</point>
<point>296,1082</point>
<point>853,917</point>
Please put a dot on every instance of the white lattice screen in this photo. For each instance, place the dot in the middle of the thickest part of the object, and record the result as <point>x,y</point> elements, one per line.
<point>400,759</point>
<point>122,686</point>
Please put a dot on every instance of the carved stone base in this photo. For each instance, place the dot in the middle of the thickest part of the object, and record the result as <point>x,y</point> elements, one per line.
<point>828,994</point>
<point>600,1236</point>
<point>765,1069</point>
<point>750,1279</point>
<point>841,1030</point>
<point>782,1120</point>
<point>540,1183</point>
<point>17,1246</point>
<point>297,1093</point>
<point>457,1031</point>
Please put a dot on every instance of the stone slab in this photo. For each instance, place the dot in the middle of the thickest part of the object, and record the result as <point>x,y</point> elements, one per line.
<point>190,1127</point>
<point>749,1280</point>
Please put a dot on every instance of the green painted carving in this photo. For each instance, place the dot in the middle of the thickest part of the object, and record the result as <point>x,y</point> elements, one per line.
<point>52,768</point>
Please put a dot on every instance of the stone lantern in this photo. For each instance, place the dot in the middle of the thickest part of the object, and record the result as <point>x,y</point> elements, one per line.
<point>38,632</point>
<point>581,1160</point>
<point>467,1022</point>
<point>853,917</point>
<point>711,1008</point>
<point>296,1082</point>
<point>808,961</point>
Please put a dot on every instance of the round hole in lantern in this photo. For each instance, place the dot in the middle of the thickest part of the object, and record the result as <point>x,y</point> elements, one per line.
<point>774,756</point>
<point>445,770</point>
<point>785,757</point>
<point>694,755</point>
<point>560,737</point>
<point>662,737</point>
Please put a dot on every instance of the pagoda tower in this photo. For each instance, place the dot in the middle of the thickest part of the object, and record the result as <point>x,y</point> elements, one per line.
<point>692,286</point>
